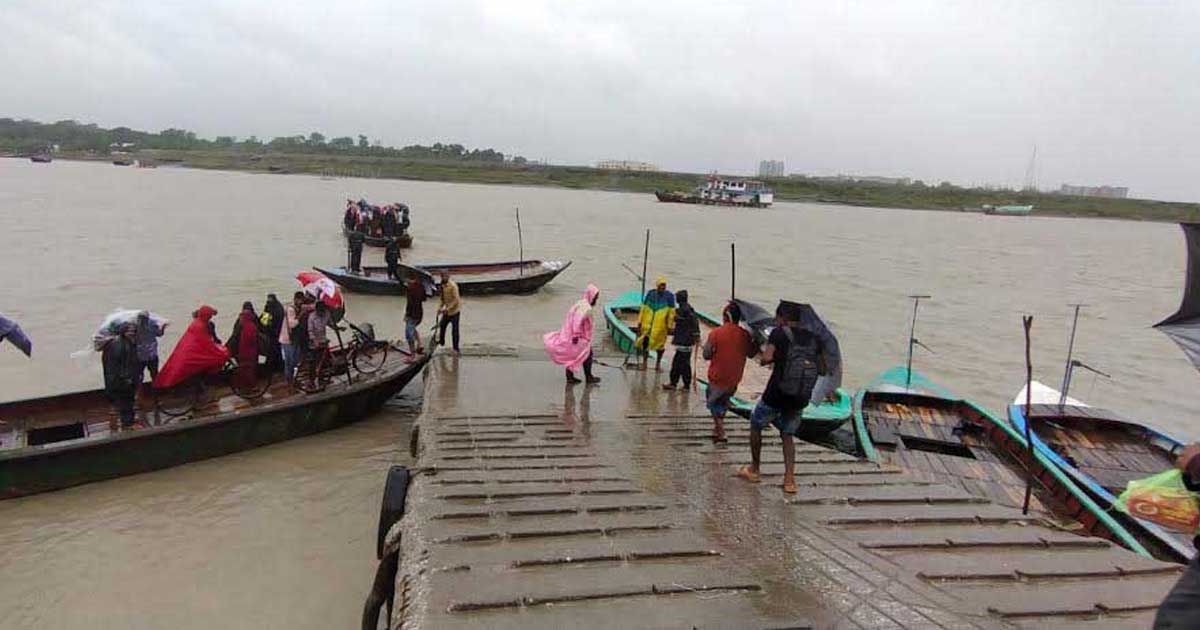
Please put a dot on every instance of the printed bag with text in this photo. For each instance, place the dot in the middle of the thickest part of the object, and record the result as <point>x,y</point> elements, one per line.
<point>1162,499</point>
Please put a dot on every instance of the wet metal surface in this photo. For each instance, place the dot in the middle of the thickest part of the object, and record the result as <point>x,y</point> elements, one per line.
<point>538,505</point>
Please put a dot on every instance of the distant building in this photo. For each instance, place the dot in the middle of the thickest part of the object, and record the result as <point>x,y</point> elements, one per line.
<point>625,165</point>
<point>869,179</point>
<point>771,168</point>
<point>1112,192</point>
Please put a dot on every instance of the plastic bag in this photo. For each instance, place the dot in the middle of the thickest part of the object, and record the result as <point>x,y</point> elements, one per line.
<point>111,326</point>
<point>1162,499</point>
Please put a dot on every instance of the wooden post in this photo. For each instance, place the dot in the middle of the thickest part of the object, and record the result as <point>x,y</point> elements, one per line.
<point>912,340</point>
<point>520,243</point>
<point>641,296</point>
<point>732,272</point>
<point>1028,322</point>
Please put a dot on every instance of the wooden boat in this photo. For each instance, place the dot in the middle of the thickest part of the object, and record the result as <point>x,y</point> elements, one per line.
<point>1102,452</point>
<point>66,440</point>
<point>675,196</point>
<point>621,317</point>
<point>40,159</point>
<point>906,420</point>
<point>122,162</point>
<point>406,239</point>
<point>472,278</point>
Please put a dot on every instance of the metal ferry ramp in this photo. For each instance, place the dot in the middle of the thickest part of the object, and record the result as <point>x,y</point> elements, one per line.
<point>538,505</point>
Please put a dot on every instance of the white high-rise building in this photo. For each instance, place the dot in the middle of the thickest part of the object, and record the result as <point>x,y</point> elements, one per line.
<point>771,168</point>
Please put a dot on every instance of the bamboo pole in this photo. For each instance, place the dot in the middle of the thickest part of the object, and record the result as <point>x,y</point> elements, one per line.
<point>1028,323</point>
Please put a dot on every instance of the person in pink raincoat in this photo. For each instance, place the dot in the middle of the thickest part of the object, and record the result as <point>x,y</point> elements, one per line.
<point>571,345</point>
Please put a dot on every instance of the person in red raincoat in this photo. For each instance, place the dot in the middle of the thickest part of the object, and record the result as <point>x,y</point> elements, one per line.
<point>198,352</point>
<point>243,344</point>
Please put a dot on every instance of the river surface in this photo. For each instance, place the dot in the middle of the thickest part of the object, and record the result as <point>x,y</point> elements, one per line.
<point>283,536</point>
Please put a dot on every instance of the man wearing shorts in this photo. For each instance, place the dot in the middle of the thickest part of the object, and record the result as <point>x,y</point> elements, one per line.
<point>777,408</point>
<point>726,350</point>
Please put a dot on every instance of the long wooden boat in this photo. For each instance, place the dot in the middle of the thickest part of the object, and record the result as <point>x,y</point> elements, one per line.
<point>40,159</point>
<point>621,317</point>
<point>405,238</point>
<point>1102,452</point>
<point>472,278</point>
<point>906,420</point>
<point>61,441</point>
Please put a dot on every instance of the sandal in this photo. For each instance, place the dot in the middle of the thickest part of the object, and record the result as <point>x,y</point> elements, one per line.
<point>789,487</point>
<point>749,475</point>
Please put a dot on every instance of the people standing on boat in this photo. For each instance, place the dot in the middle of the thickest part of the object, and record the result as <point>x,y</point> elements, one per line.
<point>244,344</point>
<point>414,312</point>
<point>449,311</point>
<point>1181,607</point>
<point>391,256</point>
<point>122,372</point>
<point>726,350</point>
<point>318,320</point>
<point>148,333</point>
<point>350,217</point>
<point>685,336</point>
<point>354,241</point>
<point>571,345</point>
<point>289,347</point>
<point>199,351</point>
<point>272,321</point>
<point>656,318</point>
<point>390,221</point>
<point>792,352</point>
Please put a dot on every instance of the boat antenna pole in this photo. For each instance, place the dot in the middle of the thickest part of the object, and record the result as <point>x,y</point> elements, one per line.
<point>912,339</point>
<point>1028,322</point>
<point>732,272</point>
<point>520,242</point>
<point>642,295</point>
<point>1066,385</point>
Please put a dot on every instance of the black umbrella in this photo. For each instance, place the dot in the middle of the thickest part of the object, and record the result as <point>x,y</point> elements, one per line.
<point>761,322</point>
<point>11,331</point>
<point>1184,326</point>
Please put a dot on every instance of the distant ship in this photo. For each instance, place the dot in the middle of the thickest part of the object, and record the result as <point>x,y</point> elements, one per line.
<point>1018,211</point>
<point>41,159</point>
<point>723,192</point>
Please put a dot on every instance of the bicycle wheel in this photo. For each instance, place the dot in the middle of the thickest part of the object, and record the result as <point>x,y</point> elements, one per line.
<point>369,357</point>
<point>181,399</point>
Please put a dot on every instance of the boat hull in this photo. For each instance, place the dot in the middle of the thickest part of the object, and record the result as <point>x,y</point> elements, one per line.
<point>899,420</point>
<point>677,197</point>
<point>1163,544</point>
<point>819,420</point>
<point>374,280</point>
<point>37,469</point>
<point>405,238</point>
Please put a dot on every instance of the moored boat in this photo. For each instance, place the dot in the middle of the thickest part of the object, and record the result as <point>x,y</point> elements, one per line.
<point>904,419</point>
<point>406,239</point>
<point>621,317</point>
<point>472,278</point>
<point>1010,210</point>
<point>1102,452</point>
<point>40,159</point>
<point>66,440</point>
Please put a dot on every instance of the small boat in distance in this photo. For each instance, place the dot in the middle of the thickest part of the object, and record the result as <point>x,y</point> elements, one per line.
<point>1009,211</point>
<point>717,191</point>
<point>41,158</point>
<point>621,316</point>
<point>472,278</point>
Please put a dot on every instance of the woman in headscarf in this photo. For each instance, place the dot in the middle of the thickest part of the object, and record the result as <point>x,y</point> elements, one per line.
<point>571,345</point>
<point>272,321</point>
<point>656,318</point>
<point>243,344</point>
<point>198,351</point>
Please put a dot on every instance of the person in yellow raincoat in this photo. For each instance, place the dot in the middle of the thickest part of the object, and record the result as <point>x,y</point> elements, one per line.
<point>656,319</point>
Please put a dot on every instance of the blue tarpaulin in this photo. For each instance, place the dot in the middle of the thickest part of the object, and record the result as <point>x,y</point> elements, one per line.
<point>11,332</point>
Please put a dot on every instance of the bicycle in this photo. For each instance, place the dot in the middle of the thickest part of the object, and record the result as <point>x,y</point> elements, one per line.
<point>364,353</point>
<point>185,397</point>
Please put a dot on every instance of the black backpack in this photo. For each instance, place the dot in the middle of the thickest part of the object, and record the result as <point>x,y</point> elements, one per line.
<point>804,361</point>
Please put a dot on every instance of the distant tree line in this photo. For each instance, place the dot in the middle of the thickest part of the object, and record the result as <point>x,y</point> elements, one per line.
<point>29,136</point>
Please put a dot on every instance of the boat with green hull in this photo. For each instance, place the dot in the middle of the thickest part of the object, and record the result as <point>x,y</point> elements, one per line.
<point>620,316</point>
<point>904,419</point>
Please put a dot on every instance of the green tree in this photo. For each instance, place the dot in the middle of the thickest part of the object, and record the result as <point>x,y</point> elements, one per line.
<point>316,139</point>
<point>362,142</point>
<point>342,143</point>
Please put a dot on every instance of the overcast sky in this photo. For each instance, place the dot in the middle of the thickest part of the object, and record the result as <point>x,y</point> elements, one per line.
<point>962,91</point>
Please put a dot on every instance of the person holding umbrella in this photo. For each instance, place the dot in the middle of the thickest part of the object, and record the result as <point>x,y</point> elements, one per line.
<point>122,372</point>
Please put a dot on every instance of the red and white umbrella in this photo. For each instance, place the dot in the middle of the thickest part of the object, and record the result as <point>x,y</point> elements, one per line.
<point>320,286</point>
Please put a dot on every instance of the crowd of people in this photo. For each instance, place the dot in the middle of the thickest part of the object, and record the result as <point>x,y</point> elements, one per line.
<point>362,219</point>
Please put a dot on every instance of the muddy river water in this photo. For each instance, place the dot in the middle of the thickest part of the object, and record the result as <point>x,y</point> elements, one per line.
<point>284,536</point>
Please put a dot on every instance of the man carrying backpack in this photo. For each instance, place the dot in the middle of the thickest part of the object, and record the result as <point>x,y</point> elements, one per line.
<point>794,354</point>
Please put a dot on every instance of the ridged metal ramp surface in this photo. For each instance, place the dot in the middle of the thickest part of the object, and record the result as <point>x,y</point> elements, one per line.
<point>536,505</point>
